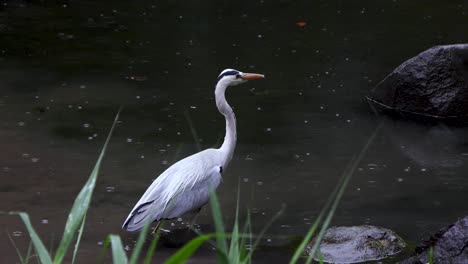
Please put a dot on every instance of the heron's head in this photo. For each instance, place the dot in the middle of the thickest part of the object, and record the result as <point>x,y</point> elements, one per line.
<point>233,77</point>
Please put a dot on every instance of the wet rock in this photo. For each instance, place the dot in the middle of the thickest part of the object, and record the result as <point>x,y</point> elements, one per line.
<point>450,246</point>
<point>433,84</point>
<point>178,237</point>
<point>355,244</point>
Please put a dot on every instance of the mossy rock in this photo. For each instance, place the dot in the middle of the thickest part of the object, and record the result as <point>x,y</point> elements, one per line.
<point>354,244</point>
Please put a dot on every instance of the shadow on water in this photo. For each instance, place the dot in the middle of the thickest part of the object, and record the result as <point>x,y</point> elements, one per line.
<point>67,67</point>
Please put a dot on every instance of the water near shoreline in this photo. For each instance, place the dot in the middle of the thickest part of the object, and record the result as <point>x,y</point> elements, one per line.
<point>66,69</point>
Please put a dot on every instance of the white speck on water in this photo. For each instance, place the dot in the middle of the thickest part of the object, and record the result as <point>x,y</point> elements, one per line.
<point>162,150</point>
<point>100,243</point>
<point>321,107</point>
<point>423,169</point>
<point>44,221</point>
<point>137,97</point>
<point>337,115</point>
<point>86,125</point>
<point>358,189</point>
<point>110,189</point>
<point>179,219</point>
<point>259,36</point>
<point>164,162</point>
<point>259,183</point>
<point>193,107</point>
<point>349,120</point>
<point>21,123</point>
<point>82,86</point>
<point>285,226</point>
<point>399,179</point>
<point>6,169</point>
<point>172,224</point>
<point>95,135</point>
<point>35,160</point>
<point>259,108</point>
<point>70,106</point>
<point>80,107</point>
<point>268,129</point>
<point>178,133</point>
<point>306,121</point>
<point>37,96</point>
<point>142,156</point>
<point>17,233</point>
<point>246,179</point>
<point>127,248</point>
<point>407,169</point>
<point>269,240</point>
<point>90,138</point>
<point>25,155</point>
<point>307,154</point>
<point>129,140</point>
<point>360,169</point>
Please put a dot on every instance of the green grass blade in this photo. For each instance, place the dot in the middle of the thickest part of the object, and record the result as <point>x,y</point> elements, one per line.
<point>118,251</point>
<point>81,204</point>
<point>105,246</point>
<point>234,252</point>
<point>186,251</point>
<point>263,231</point>
<point>219,226</point>
<point>28,253</point>
<point>41,250</point>
<point>77,243</point>
<point>347,174</point>
<point>16,248</point>
<point>152,248</point>
<point>140,242</point>
<point>431,255</point>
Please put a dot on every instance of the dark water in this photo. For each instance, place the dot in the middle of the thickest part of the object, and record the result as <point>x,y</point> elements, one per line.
<point>66,68</point>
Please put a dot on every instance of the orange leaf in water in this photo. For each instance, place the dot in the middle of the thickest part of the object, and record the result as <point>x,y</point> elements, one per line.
<point>301,24</point>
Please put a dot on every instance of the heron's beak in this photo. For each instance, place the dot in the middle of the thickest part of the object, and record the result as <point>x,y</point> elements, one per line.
<point>251,76</point>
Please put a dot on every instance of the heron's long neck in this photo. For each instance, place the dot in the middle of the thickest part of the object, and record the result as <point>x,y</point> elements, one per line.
<point>224,108</point>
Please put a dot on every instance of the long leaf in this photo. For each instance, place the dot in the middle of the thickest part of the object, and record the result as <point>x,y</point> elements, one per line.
<point>347,174</point>
<point>152,247</point>
<point>16,248</point>
<point>77,243</point>
<point>81,204</point>
<point>219,226</point>
<point>118,251</point>
<point>186,251</point>
<point>37,242</point>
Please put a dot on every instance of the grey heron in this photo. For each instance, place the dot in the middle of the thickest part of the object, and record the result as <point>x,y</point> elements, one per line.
<point>185,186</point>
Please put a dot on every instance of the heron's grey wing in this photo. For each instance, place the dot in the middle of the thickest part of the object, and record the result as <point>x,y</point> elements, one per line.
<point>180,186</point>
<point>194,196</point>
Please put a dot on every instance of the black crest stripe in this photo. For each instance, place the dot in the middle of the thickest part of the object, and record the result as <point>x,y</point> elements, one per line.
<point>227,73</point>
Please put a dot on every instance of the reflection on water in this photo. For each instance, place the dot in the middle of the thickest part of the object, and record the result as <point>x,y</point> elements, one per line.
<point>67,67</point>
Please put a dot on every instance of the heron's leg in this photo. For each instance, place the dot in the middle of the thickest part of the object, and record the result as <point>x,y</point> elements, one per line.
<point>194,218</point>
<point>155,229</point>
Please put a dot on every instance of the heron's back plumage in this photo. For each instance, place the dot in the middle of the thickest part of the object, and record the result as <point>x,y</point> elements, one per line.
<point>182,188</point>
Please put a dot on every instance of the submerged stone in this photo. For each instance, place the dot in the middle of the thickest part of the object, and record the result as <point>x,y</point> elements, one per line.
<point>354,244</point>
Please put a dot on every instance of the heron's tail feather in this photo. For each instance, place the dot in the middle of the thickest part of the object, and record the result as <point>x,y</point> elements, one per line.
<point>139,216</point>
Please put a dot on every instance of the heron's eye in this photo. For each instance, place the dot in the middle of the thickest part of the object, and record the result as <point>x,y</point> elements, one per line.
<point>238,76</point>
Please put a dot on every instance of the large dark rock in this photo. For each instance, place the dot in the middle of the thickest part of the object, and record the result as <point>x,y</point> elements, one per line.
<point>353,244</point>
<point>450,246</point>
<point>432,84</point>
